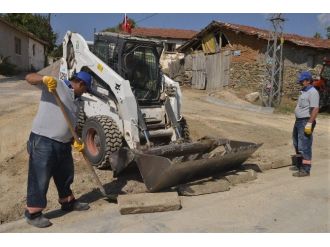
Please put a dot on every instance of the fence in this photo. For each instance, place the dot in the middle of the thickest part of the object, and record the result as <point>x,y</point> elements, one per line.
<point>210,71</point>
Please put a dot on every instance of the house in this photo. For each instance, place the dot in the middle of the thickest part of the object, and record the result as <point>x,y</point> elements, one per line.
<point>247,46</point>
<point>171,38</point>
<point>24,49</point>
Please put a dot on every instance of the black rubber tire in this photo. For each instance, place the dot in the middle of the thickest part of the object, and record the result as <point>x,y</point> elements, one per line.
<point>81,120</point>
<point>185,130</point>
<point>101,137</point>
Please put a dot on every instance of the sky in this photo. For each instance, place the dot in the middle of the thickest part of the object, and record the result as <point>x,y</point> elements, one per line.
<point>305,24</point>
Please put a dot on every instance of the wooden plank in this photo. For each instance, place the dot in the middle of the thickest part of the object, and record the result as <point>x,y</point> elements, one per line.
<point>198,69</point>
<point>226,67</point>
<point>213,71</point>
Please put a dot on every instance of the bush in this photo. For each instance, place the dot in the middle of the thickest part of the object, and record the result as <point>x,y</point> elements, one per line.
<point>7,68</point>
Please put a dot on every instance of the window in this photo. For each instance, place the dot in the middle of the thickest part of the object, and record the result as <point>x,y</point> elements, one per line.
<point>170,47</point>
<point>33,49</point>
<point>18,49</point>
<point>107,52</point>
<point>142,71</point>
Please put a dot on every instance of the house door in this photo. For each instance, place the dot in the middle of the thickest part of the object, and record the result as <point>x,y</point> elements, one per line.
<point>217,70</point>
<point>198,71</point>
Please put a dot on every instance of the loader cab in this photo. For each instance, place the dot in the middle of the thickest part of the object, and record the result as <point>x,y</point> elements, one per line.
<point>136,60</point>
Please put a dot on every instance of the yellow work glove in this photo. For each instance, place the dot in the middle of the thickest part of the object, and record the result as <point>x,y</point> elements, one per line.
<point>78,146</point>
<point>308,128</point>
<point>50,83</point>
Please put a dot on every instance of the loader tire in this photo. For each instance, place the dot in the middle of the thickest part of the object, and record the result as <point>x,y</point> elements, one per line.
<point>185,130</point>
<point>101,137</point>
<point>81,120</point>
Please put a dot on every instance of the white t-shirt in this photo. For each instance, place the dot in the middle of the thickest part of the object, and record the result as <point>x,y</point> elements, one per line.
<point>309,98</point>
<point>49,121</point>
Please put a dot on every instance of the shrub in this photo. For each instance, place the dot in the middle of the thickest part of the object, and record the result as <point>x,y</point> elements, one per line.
<point>7,68</point>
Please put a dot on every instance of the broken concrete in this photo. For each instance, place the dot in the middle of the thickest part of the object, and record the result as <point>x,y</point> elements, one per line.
<point>241,176</point>
<point>205,186</point>
<point>281,163</point>
<point>148,202</point>
<point>260,167</point>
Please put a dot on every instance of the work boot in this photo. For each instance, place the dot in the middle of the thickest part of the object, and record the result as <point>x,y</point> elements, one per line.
<point>297,160</point>
<point>294,168</point>
<point>37,219</point>
<point>301,173</point>
<point>74,206</point>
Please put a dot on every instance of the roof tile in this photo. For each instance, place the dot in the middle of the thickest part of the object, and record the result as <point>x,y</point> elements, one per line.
<point>163,33</point>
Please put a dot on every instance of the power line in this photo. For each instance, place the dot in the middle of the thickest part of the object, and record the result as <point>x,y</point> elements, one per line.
<point>145,18</point>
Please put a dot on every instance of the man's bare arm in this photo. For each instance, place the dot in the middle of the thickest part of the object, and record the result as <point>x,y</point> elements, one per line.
<point>34,78</point>
<point>314,113</point>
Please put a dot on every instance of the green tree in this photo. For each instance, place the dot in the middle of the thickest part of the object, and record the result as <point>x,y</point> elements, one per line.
<point>117,28</point>
<point>317,35</point>
<point>57,52</point>
<point>35,23</point>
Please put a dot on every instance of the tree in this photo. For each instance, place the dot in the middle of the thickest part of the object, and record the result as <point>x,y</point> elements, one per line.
<point>35,23</point>
<point>328,32</point>
<point>317,35</point>
<point>117,28</point>
<point>57,52</point>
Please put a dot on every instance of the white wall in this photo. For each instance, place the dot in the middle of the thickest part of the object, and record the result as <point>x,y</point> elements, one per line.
<point>24,60</point>
<point>36,61</point>
<point>7,46</point>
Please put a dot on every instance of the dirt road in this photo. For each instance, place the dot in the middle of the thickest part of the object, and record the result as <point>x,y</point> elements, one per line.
<point>275,202</point>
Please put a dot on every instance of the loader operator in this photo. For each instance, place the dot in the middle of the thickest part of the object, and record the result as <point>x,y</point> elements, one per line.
<point>49,145</point>
<point>306,111</point>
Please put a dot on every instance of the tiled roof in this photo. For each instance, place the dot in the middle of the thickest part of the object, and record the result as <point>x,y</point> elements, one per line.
<point>260,33</point>
<point>264,34</point>
<point>30,35</point>
<point>169,33</point>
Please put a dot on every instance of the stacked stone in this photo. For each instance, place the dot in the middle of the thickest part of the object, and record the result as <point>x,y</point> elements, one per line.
<point>252,76</point>
<point>247,75</point>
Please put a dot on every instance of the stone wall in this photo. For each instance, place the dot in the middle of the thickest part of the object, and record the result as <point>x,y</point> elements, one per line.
<point>251,75</point>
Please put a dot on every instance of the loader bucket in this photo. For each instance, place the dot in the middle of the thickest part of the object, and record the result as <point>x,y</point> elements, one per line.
<point>166,166</point>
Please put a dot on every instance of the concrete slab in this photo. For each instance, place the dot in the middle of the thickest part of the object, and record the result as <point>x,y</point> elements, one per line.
<point>247,106</point>
<point>281,163</point>
<point>205,186</point>
<point>258,167</point>
<point>148,202</point>
<point>241,176</point>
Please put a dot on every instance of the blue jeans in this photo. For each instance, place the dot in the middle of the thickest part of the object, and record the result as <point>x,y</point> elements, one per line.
<point>301,141</point>
<point>48,158</point>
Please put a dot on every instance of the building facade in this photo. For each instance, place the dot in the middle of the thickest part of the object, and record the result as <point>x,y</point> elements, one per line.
<point>170,37</point>
<point>24,49</point>
<point>248,47</point>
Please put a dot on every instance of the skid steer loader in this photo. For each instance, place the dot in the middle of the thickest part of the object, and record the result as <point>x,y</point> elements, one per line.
<point>133,114</point>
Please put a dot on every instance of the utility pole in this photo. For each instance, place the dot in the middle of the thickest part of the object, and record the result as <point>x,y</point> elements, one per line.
<point>48,41</point>
<point>272,86</point>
